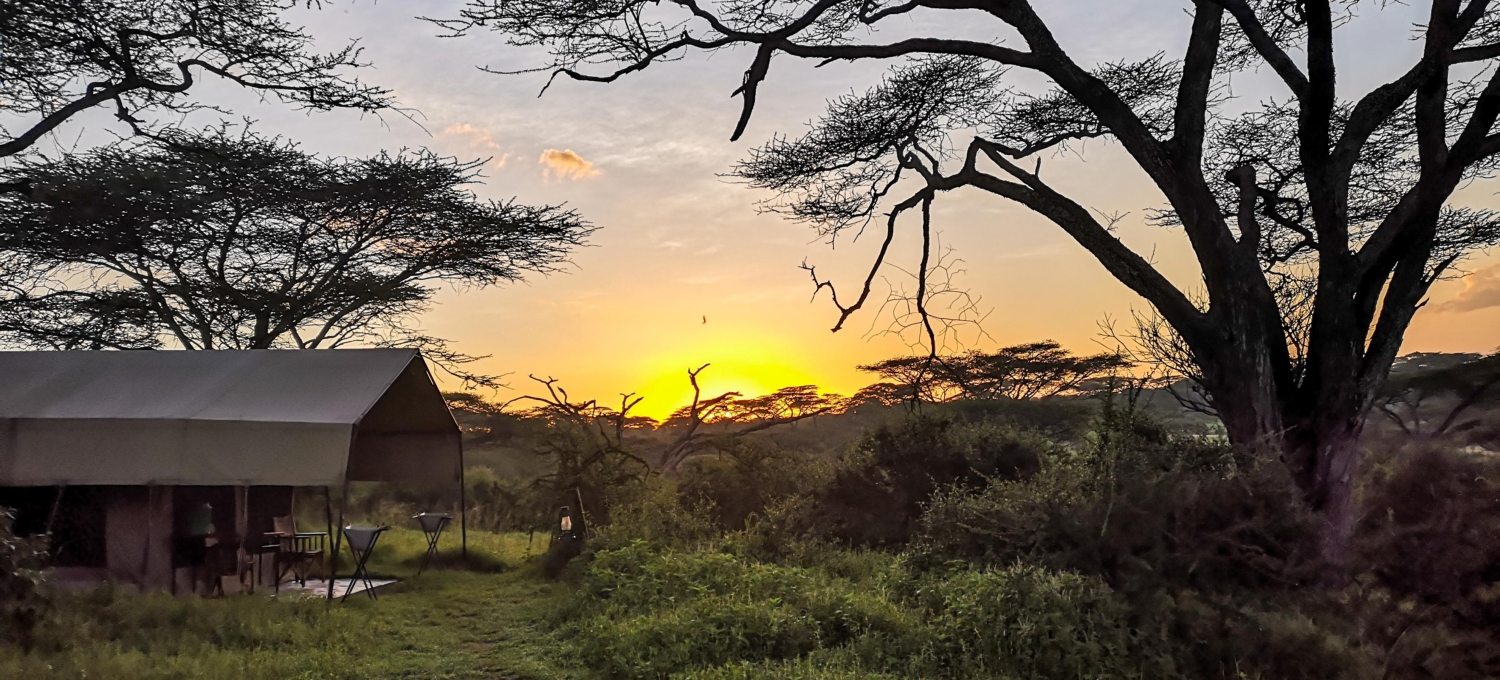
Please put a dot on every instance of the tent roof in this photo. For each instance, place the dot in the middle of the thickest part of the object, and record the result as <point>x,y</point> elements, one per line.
<point>299,417</point>
<point>309,386</point>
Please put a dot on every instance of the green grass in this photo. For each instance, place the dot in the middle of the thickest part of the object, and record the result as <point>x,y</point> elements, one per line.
<point>488,622</point>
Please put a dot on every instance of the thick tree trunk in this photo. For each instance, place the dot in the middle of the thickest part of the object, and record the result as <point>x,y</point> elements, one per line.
<point>1315,437</point>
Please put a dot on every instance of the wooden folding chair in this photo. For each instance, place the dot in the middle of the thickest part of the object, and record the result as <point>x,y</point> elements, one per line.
<point>295,551</point>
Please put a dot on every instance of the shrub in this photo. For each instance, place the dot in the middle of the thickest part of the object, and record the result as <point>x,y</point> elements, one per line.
<point>877,497</point>
<point>1143,510</point>
<point>1028,622</point>
<point>1429,543</point>
<point>653,512</point>
<point>23,602</point>
<point>653,613</point>
<point>1208,546</point>
<point>746,477</point>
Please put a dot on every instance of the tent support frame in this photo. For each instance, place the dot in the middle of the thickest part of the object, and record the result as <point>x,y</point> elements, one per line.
<point>463,508</point>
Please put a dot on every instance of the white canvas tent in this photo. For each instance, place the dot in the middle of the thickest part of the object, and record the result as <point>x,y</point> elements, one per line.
<point>256,418</point>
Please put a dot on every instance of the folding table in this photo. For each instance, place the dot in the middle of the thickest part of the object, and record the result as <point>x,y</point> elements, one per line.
<point>362,542</point>
<point>432,524</point>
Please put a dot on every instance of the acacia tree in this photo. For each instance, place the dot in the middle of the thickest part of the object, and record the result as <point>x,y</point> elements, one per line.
<point>1318,222</point>
<point>238,241</point>
<point>59,58</point>
<point>1033,370</point>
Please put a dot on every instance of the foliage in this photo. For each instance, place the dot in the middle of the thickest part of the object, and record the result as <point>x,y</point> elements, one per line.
<point>1034,370</point>
<point>217,240</point>
<point>787,403</point>
<point>1433,395</point>
<point>878,495</point>
<point>23,598</point>
<point>650,614</point>
<point>746,477</point>
<point>1430,550</point>
<point>64,57</point>
<point>1139,507</point>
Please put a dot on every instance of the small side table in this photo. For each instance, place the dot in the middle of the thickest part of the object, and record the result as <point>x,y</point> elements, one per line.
<point>362,542</point>
<point>432,524</point>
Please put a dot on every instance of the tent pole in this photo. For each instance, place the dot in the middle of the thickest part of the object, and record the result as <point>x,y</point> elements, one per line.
<point>463,508</point>
<point>338,540</point>
<point>56,505</point>
<point>328,560</point>
<point>241,531</point>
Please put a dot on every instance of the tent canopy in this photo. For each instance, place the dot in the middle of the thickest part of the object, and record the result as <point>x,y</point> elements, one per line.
<point>226,417</point>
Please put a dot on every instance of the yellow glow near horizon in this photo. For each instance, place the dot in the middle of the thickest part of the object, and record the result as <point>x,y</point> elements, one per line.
<point>746,369</point>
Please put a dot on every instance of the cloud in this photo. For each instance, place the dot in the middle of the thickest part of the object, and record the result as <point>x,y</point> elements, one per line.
<point>477,138</point>
<point>1481,291</point>
<point>566,164</point>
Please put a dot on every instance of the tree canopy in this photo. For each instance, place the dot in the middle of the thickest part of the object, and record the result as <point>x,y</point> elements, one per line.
<point>59,58</point>
<point>1033,370</point>
<point>219,240</point>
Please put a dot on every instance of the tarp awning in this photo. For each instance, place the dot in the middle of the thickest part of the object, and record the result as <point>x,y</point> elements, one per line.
<point>253,417</point>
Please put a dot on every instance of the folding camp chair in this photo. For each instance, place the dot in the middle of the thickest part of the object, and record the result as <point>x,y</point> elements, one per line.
<point>293,552</point>
<point>362,542</point>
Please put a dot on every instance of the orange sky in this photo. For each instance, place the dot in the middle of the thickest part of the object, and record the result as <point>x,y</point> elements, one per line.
<point>642,157</point>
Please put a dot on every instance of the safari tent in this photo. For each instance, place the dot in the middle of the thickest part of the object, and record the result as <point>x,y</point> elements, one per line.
<point>107,451</point>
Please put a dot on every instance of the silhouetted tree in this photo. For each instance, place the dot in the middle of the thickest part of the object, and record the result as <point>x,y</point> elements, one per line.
<point>1430,395</point>
<point>59,58</point>
<point>238,241</point>
<point>1034,370</point>
<point>1307,202</point>
<point>740,416</point>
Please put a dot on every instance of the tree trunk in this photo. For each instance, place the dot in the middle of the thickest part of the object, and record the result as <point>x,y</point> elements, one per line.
<point>1316,438</point>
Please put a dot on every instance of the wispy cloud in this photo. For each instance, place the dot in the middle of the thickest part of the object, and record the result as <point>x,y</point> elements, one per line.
<point>566,164</point>
<point>477,138</point>
<point>1481,291</point>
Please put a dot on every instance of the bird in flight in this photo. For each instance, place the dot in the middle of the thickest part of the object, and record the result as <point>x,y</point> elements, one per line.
<point>705,318</point>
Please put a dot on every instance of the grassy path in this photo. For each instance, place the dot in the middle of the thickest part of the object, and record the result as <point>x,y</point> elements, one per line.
<point>446,624</point>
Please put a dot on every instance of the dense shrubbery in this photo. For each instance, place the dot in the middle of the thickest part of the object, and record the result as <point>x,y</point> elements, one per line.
<point>1128,551</point>
<point>649,613</point>
<point>1430,545</point>
<point>877,497</point>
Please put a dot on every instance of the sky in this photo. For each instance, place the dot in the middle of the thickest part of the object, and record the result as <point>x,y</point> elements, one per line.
<point>686,271</point>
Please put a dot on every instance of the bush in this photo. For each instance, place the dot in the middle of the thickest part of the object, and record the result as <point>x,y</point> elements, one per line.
<point>23,602</point>
<point>1429,542</point>
<point>877,497</point>
<point>738,485</point>
<point>1207,546</point>
<point>653,613</point>
<point>653,512</point>
<point>1141,509</point>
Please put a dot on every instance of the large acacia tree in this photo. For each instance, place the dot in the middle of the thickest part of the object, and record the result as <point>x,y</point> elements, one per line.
<point>1319,222</point>
<point>220,240</point>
